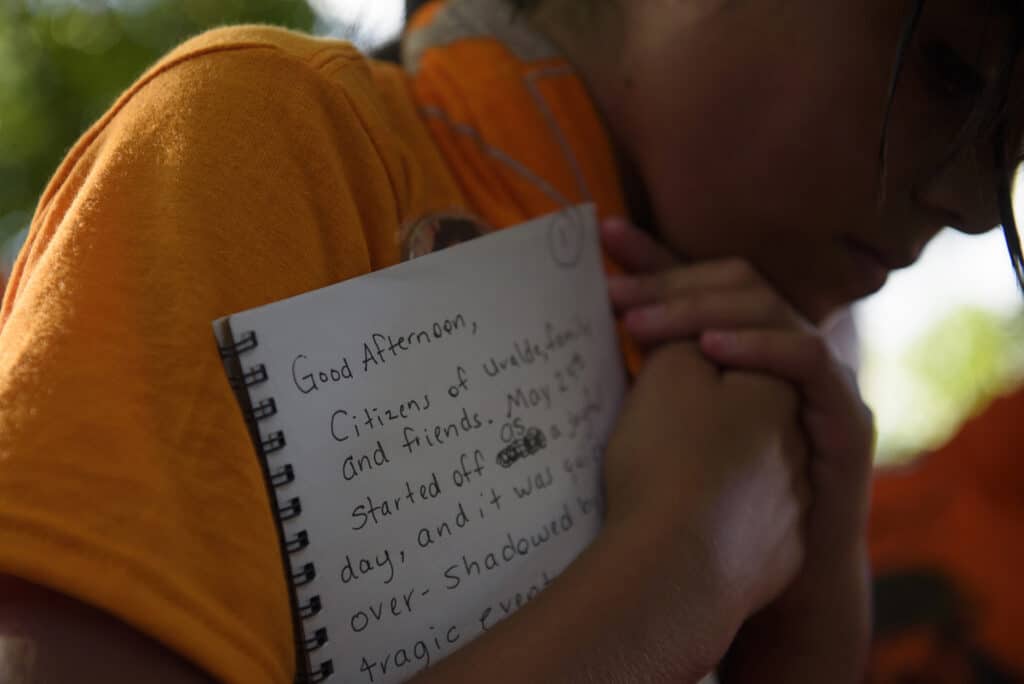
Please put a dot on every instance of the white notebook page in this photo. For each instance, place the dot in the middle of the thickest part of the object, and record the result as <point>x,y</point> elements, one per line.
<point>445,421</point>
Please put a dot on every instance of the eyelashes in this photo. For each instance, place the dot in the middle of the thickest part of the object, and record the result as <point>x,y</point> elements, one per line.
<point>951,76</point>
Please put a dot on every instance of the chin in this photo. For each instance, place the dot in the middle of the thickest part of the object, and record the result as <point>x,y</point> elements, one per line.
<point>818,307</point>
<point>839,287</point>
<point>817,312</point>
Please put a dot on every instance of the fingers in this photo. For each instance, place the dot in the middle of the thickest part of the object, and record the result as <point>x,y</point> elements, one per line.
<point>662,301</point>
<point>633,249</point>
<point>799,451</point>
<point>803,359</point>
<point>681,317</point>
<point>640,289</point>
<point>829,391</point>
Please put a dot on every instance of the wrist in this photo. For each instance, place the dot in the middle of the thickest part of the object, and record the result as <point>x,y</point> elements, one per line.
<point>676,593</point>
<point>836,532</point>
<point>842,559</point>
<point>832,581</point>
<point>617,613</point>
<point>818,630</point>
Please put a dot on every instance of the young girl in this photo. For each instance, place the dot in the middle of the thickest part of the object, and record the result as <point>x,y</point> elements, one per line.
<point>785,156</point>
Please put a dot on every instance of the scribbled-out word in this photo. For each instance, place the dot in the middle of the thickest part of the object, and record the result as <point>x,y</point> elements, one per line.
<point>532,442</point>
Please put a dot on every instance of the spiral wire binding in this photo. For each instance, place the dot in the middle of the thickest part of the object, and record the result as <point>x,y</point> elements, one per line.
<point>280,476</point>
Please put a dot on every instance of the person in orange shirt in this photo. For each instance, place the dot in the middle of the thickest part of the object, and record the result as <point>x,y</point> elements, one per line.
<point>252,164</point>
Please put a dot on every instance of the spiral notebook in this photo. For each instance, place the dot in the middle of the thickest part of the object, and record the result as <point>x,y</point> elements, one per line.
<point>432,436</point>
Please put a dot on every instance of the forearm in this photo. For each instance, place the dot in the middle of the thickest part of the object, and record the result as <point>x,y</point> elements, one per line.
<point>46,638</point>
<point>620,613</point>
<point>815,633</point>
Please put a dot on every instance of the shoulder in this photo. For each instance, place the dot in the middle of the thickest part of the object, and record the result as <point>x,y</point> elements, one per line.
<point>249,107</point>
<point>249,51</point>
<point>260,76</point>
<point>261,54</point>
<point>232,87</point>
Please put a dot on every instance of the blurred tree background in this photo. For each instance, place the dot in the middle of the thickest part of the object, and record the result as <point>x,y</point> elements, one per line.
<point>63,62</point>
<point>949,373</point>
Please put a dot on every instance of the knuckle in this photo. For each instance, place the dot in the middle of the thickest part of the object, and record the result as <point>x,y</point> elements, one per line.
<point>699,303</point>
<point>672,279</point>
<point>740,271</point>
<point>677,359</point>
<point>677,311</point>
<point>772,304</point>
<point>660,282</point>
<point>647,287</point>
<point>685,313</point>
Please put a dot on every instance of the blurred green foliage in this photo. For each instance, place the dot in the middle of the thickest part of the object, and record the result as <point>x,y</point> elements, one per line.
<point>968,357</point>
<point>63,62</point>
<point>950,373</point>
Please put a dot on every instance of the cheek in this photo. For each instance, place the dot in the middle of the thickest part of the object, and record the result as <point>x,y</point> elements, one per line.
<point>794,169</point>
<point>772,165</point>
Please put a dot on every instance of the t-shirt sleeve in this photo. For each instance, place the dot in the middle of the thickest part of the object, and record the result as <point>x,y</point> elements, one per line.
<point>231,175</point>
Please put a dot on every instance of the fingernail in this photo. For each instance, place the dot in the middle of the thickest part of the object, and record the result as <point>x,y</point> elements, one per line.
<point>719,340</point>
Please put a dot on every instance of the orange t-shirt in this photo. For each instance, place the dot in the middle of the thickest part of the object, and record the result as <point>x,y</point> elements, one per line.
<point>251,164</point>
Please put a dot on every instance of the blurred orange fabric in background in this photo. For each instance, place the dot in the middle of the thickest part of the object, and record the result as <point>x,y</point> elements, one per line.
<point>947,546</point>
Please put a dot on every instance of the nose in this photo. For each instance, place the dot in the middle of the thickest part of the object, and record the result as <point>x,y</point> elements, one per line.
<point>963,195</point>
<point>972,211</point>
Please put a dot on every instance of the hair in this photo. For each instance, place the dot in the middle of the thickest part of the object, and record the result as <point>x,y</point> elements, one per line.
<point>989,118</point>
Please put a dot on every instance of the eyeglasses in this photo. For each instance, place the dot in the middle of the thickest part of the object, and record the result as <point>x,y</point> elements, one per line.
<point>1010,195</point>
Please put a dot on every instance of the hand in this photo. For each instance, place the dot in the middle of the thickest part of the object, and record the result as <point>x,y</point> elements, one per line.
<point>740,322</point>
<point>720,508</point>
